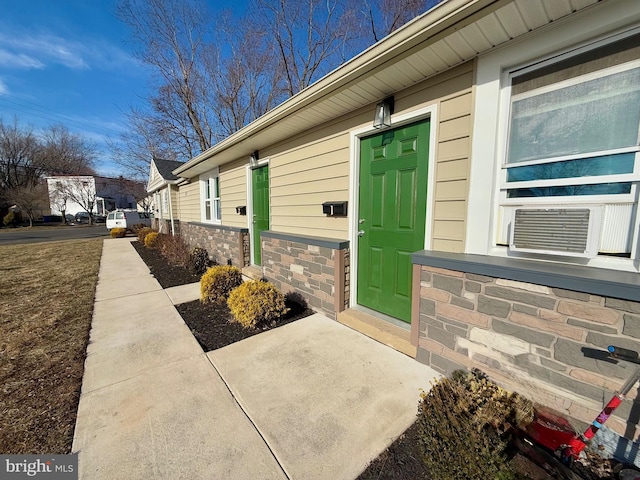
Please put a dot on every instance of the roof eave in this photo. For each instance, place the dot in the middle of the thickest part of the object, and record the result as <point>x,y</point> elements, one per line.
<point>425,28</point>
<point>161,185</point>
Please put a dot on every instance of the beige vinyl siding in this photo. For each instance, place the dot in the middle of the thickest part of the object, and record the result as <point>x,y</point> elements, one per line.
<point>452,172</point>
<point>451,91</point>
<point>302,178</point>
<point>313,168</point>
<point>233,192</point>
<point>189,201</point>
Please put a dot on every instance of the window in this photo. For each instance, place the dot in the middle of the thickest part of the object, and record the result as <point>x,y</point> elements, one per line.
<point>210,194</point>
<point>573,137</point>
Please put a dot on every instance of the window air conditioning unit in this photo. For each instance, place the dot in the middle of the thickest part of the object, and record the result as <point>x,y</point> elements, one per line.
<point>566,231</point>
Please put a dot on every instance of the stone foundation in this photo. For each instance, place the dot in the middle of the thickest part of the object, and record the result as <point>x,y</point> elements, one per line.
<point>225,245</point>
<point>316,268</point>
<point>540,341</point>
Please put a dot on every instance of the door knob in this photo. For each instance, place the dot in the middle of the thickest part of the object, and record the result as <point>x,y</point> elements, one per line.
<point>360,233</point>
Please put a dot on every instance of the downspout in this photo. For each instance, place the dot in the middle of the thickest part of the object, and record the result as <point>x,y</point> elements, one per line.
<point>173,232</point>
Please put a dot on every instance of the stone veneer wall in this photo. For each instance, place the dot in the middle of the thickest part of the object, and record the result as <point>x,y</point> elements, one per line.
<point>226,245</point>
<point>531,339</point>
<point>318,269</point>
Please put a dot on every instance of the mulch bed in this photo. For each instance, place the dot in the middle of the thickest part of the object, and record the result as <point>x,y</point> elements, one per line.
<point>212,328</point>
<point>211,325</point>
<point>166,274</point>
<point>401,461</point>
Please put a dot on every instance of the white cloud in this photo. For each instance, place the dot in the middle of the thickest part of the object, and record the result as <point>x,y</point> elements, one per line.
<point>10,59</point>
<point>39,50</point>
<point>4,90</point>
<point>29,51</point>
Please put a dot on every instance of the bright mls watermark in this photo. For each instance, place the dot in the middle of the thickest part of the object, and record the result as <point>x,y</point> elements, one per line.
<point>50,467</point>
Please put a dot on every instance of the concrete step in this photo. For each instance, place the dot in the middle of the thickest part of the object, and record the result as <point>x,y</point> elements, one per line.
<point>378,329</point>
<point>252,272</point>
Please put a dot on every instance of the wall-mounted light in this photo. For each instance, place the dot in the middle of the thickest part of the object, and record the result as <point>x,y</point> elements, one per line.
<point>384,110</point>
<point>253,159</point>
<point>241,210</point>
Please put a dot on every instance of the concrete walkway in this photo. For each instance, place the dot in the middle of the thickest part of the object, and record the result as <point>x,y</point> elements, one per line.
<point>310,400</point>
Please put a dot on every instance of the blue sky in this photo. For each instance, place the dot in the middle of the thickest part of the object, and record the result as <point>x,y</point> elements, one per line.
<point>68,61</point>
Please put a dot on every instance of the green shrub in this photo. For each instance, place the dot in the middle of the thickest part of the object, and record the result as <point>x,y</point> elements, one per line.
<point>199,260</point>
<point>143,232</point>
<point>174,249</point>
<point>12,219</point>
<point>465,426</point>
<point>217,282</point>
<point>152,240</point>
<point>256,304</point>
<point>118,232</point>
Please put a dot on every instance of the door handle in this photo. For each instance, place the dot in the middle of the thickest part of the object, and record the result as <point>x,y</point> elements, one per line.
<point>360,233</point>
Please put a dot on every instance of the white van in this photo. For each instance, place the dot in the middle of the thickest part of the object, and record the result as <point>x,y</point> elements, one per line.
<point>127,219</point>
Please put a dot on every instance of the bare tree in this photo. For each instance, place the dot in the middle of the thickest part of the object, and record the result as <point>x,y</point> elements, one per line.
<point>30,199</point>
<point>200,95</point>
<point>309,37</point>
<point>172,36</point>
<point>375,19</point>
<point>137,189</point>
<point>25,158</point>
<point>246,83</point>
<point>210,78</point>
<point>19,150</point>
<point>65,153</point>
<point>140,142</point>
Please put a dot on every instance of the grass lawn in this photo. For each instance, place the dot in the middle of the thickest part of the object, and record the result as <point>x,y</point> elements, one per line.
<point>46,304</point>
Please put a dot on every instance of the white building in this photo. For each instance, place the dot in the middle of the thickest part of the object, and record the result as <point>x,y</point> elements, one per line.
<point>80,193</point>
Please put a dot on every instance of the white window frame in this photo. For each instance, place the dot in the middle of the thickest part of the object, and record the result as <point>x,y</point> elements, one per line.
<point>492,94</point>
<point>210,182</point>
<point>587,180</point>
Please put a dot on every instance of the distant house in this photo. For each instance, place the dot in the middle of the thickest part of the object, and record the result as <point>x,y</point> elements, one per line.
<point>465,190</point>
<point>72,194</point>
<point>162,187</point>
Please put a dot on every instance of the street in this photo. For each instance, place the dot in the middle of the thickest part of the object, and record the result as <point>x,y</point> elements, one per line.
<point>39,234</point>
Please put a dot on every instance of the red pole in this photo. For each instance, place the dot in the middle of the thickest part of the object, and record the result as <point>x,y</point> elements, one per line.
<point>577,444</point>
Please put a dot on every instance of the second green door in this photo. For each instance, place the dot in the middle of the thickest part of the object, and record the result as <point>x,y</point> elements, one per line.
<point>260,191</point>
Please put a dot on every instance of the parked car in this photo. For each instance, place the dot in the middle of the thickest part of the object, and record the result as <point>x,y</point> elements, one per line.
<point>81,217</point>
<point>127,219</point>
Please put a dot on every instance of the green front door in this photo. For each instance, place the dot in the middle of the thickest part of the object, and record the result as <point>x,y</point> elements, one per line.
<point>260,183</point>
<point>392,216</point>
